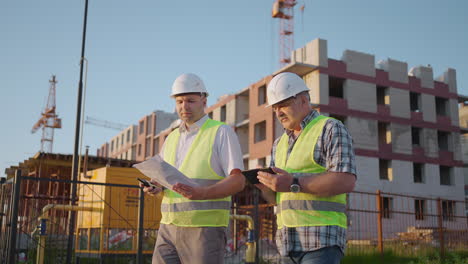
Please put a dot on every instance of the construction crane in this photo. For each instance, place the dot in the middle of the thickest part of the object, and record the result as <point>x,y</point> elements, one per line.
<point>284,10</point>
<point>49,120</point>
<point>104,123</point>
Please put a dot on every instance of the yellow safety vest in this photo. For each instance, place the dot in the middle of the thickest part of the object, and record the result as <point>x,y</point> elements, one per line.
<point>304,209</point>
<point>180,211</point>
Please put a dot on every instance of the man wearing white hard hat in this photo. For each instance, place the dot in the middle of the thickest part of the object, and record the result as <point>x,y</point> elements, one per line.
<point>194,219</point>
<point>315,168</point>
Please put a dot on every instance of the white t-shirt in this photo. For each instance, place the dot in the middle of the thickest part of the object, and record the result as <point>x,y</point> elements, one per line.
<point>226,155</point>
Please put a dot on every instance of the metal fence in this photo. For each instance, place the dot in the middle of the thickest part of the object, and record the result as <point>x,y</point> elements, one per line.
<point>112,229</point>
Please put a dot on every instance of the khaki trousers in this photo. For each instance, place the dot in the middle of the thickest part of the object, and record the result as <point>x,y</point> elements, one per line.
<point>189,245</point>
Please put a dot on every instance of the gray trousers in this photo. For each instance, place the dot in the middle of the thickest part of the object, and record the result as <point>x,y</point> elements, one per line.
<point>189,245</point>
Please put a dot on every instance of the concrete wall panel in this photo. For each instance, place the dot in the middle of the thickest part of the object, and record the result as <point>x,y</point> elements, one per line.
<point>399,103</point>
<point>397,70</point>
<point>428,107</point>
<point>453,111</point>
<point>364,132</point>
<point>359,62</point>
<point>430,143</point>
<point>231,113</point>
<point>361,95</point>
<point>457,146</point>
<point>401,138</point>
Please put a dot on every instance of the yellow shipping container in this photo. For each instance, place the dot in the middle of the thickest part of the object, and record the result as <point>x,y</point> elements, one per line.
<point>114,229</point>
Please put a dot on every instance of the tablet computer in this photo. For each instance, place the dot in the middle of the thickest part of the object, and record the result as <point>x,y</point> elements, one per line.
<point>251,175</point>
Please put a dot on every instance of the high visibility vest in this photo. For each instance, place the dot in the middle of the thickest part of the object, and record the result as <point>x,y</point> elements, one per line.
<point>304,209</point>
<point>180,211</point>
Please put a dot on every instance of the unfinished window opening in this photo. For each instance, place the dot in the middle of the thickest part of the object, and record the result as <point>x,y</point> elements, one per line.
<point>415,102</point>
<point>385,134</point>
<point>385,169</point>
<point>147,147</point>
<point>419,209</point>
<point>262,98</point>
<point>416,136</point>
<point>418,173</point>
<point>448,210</point>
<point>260,131</point>
<point>383,96</point>
<point>387,203</point>
<point>223,113</point>
<point>339,117</point>
<point>148,126</point>
<point>441,106</point>
<point>261,163</point>
<point>445,175</point>
<point>335,86</point>
<point>443,140</point>
<point>142,127</point>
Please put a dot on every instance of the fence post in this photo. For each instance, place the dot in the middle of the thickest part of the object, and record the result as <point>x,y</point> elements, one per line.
<point>379,222</point>
<point>141,210</point>
<point>256,224</point>
<point>14,218</point>
<point>440,227</point>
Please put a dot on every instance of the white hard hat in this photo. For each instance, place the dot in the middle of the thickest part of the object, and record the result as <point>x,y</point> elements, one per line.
<point>283,86</point>
<point>188,83</point>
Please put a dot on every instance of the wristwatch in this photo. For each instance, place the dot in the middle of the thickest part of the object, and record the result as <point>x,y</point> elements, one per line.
<point>295,187</point>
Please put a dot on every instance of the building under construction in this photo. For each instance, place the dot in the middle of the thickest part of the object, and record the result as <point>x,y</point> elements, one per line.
<point>404,122</point>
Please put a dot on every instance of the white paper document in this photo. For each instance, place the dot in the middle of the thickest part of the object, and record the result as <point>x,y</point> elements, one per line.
<point>162,172</point>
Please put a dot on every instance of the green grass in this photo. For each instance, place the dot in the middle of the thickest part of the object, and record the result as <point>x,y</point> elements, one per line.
<point>391,258</point>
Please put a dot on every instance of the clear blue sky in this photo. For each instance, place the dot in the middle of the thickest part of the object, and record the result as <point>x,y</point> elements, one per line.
<point>136,49</point>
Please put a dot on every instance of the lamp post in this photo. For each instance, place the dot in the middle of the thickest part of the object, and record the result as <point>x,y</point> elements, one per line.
<point>71,226</point>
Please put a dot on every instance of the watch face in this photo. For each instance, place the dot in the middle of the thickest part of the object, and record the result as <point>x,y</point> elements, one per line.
<point>295,188</point>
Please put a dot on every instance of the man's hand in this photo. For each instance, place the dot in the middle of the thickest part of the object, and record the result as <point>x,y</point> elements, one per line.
<point>189,192</point>
<point>279,182</point>
<point>152,190</point>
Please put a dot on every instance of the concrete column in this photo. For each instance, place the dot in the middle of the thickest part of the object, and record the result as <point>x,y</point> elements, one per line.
<point>314,53</point>
<point>425,74</point>
<point>397,70</point>
<point>318,85</point>
<point>450,78</point>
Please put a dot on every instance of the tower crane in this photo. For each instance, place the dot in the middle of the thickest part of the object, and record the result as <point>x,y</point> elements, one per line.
<point>104,123</point>
<point>49,120</point>
<point>284,10</point>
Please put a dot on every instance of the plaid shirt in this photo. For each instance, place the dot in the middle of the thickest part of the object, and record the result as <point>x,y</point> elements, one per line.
<point>333,151</point>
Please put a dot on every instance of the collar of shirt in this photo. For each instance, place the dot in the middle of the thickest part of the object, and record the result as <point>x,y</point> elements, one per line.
<point>311,116</point>
<point>184,128</point>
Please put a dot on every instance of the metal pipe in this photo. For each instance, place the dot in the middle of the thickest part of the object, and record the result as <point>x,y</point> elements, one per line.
<point>43,220</point>
<point>251,244</point>
<point>141,207</point>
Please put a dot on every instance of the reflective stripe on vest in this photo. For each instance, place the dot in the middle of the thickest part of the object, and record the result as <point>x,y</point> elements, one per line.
<point>303,209</point>
<point>180,211</point>
<point>311,205</point>
<point>190,206</point>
